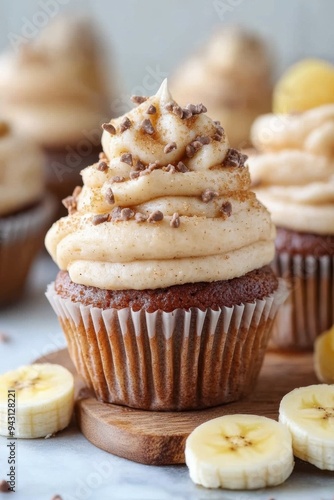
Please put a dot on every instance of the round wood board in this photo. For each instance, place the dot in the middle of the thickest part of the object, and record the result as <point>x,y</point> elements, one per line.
<point>158,438</point>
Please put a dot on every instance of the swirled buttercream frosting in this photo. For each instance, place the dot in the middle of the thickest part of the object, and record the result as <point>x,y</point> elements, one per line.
<point>168,203</point>
<point>294,169</point>
<point>21,172</point>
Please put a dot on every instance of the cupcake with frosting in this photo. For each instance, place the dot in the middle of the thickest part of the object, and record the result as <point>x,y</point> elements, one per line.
<point>53,91</point>
<point>293,174</point>
<point>165,295</point>
<point>232,75</point>
<point>25,211</point>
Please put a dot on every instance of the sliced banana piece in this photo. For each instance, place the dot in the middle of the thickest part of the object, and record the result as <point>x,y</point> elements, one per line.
<point>308,413</point>
<point>239,452</point>
<point>324,356</point>
<point>42,402</point>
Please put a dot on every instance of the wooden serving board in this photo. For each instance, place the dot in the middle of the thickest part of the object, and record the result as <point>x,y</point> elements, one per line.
<point>158,438</point>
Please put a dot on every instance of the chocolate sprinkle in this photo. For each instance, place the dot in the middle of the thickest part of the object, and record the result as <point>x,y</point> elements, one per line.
<point>109,196</point>
<point>134,174</point>
<point>186,113</point>
<point>151,110</point>
<point>234,158</point>
<point>117,178</point>
<point>125,124</point>
<point>147,126</point>
<point>126,214</point>
<point>139,165</point>
<point>155,216</point>
<point>138,99</point>
<point>175,220</point>
<point>153,166</point>
<point>108,127</point>
<point>116,213</point>
<point>56,497</point>
<point>127,158</point>
<point>140,217</point>
<point>226,209</point>
<point>102,166</point>
<point>181,167</point>
<point>204,140</point>
<point>190,151</point>
<point>171,146</point>
<point>98,219</point>
<point>208,195</point>
<point>3,338</point>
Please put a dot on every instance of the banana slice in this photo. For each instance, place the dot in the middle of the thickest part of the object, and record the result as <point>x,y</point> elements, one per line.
<point>324,356</point>
<point>308,413</point>
<point>42,403</point>
<point>239,452</point>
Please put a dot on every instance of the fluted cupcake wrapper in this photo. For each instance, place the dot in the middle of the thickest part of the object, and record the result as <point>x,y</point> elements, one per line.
<point>168,361</point>
<point>21,237</point>
<point>309,310</point>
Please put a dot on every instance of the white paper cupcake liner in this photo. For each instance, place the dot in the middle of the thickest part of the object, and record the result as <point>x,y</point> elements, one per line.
<point>21,237</point>
<point>309,310</point>
<point>168,361</point>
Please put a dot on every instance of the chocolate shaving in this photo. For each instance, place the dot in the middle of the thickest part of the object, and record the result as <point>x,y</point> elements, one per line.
<point>108,127</point>
<point>147,126</point>
<point>57,497</point>
<point>217,137</point>
<point>134,174</point>
<point>234,158</point>
<point>109,196</point>
<point>116,213</point>
<point>204,140</point>
<point>126,214</point>
<point>138,99</point>
<point>155,216</point>
<point>151,110</point>
<point>181,167</point>
<point>175,220</point>
<point>226,208</point>
<point>171,146</point>
<point>125,124</point>
<point>127,158</point>
<point>99,219</point>
<point>186,113</point>
<point>190,151</point>
<point>208,195</point>
<point>139,165</point>
<point>102,166</point>
<point>139,217</point>
<point>117,178</point>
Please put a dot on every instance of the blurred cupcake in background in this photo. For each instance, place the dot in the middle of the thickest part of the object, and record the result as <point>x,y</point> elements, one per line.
<point>55,91</point>
<point>25,211</point>
<point>232,75</point>
<point>293,175</point>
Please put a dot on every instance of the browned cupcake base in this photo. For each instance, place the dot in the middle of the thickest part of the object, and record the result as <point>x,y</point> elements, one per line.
<point>254,285</point>
<point>297,243</point>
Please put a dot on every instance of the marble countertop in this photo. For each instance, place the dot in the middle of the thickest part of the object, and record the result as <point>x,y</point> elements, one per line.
<point>71,466</point>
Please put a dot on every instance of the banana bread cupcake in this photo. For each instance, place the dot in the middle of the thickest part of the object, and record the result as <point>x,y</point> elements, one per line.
<point>293,175</point>
<point>25,211</point>
<point>54,91</point>
<point>165,294</point>
<point>232,75</point>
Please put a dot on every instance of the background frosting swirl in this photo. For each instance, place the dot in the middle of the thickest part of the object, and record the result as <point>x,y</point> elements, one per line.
<point>212,228</point>
<point>294,172</point>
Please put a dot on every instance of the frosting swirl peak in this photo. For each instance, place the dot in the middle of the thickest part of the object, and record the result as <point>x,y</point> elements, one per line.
<point>168,203</point>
